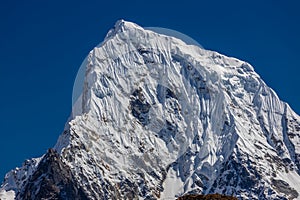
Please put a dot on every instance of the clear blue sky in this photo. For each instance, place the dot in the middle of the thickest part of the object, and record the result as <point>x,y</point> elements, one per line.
<point>42,44</point>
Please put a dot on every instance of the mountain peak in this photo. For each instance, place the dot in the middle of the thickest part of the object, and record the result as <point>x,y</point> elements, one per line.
<point>161,119</point>
<point>121,26</point>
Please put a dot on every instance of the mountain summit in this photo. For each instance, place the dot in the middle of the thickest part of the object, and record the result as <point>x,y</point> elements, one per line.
<point>158,119</point>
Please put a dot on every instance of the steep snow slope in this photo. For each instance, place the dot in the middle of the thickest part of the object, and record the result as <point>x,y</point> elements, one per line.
<point>158,118</point>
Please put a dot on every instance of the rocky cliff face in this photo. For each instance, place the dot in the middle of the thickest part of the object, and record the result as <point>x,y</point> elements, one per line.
<point>51,180</point>
<point>158,119</point>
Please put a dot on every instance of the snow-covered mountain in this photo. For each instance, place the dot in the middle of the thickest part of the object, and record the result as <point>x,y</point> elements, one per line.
<point>157,119</point>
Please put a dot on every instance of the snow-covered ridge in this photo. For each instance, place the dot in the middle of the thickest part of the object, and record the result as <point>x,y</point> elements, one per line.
<point>158,118</point>
<point>16,179</point>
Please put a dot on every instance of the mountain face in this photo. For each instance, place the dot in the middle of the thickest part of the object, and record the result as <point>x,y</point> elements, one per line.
<point>158,119</point>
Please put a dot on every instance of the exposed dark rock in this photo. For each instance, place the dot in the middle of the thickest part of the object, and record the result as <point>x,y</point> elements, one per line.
<point>52,180</point>
<point>168,131</point>
<point>283,187</point>
<point>238,172</point>
<point>140,107</point>
<point>206,197</point>
<point>164,93</point>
